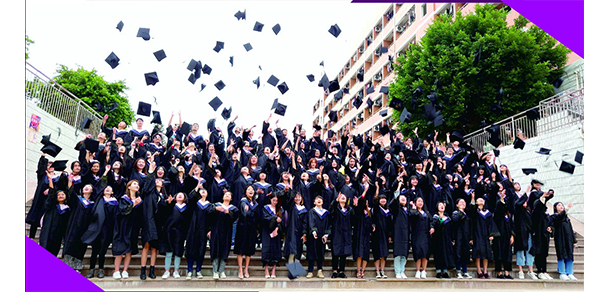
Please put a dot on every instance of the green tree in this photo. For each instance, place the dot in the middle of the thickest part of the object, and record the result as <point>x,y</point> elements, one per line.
<point>94,90</point>
<point>523,62</point>
<point>28,41</point>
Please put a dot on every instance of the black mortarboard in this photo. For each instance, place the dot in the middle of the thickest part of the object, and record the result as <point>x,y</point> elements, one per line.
<point>544,151</point>
<point>533,114</point>
<point>324,82</point>
<point>383,112</point>
<point>333,85</point>
<point>276,29</point>
<point>258,26</point>
<point>577,158</point>
<point>112,60</point>
<point>231,60</point>
<point>295,270</point>
<point>92,145</point>
<point>338,95</point>
<point>418,91</point>
<point>495,140</point>
<point>144,33</point>
<point>519,144</point>
<point>226,113</point>
<point>456,136</point>
<point>219,46</point>
<point>119,26</point>
<point>432,97</point>
<point>51,149</point>
<point>384,50</point>
<point>86,123</point>
<point>528,171</point>
<point>332,115</point>
<point>45,139</point>
<point>206,69</point>
<point>396,103</point>
<point>370,90</point>
<point>248,47</point>
<point>311,78</point>
<point>317,127</point>
<point>322,63</point>
<point>438,120</point>
<point>335,30</point>
<point>283,87</point>
<point>59,165</point>
<point>369,102</point>
<point>192,64</point>
<point>274,104</point>
<point>257,81</point>
<point>405,116</point>
<point>160,55</point>
<point>97,106</point>
<point>384,89</point>
<point>280,109</point>
<point>557,83</point>
<point>430,111</point>
<point>497,152</point>
<point>185,128</point>
<point>412,156</point>
<point>567,167</point>
<point>240,15</point>
<point>220,85</point>
<point>360,75</point>
<point>345,90</point>
<point>384,129</point>
<point>151,78</point>
<point>215,103</point>
<point>202,87</point>
<point>144,109</point>
<point>192,79</point>
<point>535,181</point>
<point>273,80</point>
<point>357,102</point>
<point>493,129</point>
<point>156,118</point>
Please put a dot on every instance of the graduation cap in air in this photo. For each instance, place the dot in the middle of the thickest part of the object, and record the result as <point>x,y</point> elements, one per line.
<point>311,78</point>
<point>418,91</point>
<point>220,85</point>
<point>46,139</point>
<point>112,60</point>
<point>333,85</point>
<point>240,15</point>
<point>295,270</point>
<point>215,103</point>
<point>383,50</point>
<point>206,69</point>
<point>432,97</point>
<point>345,90</point>
<point>332,115</point>
<point>495,140</point>
<point>519,144</point>
<point>280,109</point>
<point>322,63</point>
<point>497,152</point>
<point>396,103</point>
<point>51,149</point>
<point>248,47</point>
<point>257,81</point>
<point>577,158</point>
<point>567,167</point>
<point>370,90</point>
<point>59,165</point>
<point>405,116</point>
<point>456,136</point>
<point>185,128</point>
<point>144,109</point>
<point>357,102</point>
<point>92,145</point>
<point>231,60</point>
<point>274,104</point>
<point>151,78</point>
<point>557,83</point>
<point>338,95</point>
<point>430,137</point>
<point>144,33</point>
<point>533,114</point>
<point>493,129</point>
<point>317,127</point>
<point>384,89</point>
<point>192,79</point>
<point>156,118</point>
<point>430,111</point>
<point>276,29</point>
<point>226,113</point>
<point>97,106</point>
<point>258,26</point>
<point>383,112</point>
<point>384,129</point>
<point>335,30</point>
<point>528,171</point>
<point>360,75</point>
<point>273,80</point>
<point>369,103</point>
<point>324,82</point>
<point>283,87</point>
<point>202,87</point>
<point>86,123</point>
<point>219,46</point>
<point>160,55</point>
<point>544,151</point>
<point>119,26</point>
<point>192,64</point>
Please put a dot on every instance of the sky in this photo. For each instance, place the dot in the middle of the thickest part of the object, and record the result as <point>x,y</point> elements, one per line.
<point>83,33</point>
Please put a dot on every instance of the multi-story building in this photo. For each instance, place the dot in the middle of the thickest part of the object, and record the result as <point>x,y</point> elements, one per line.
<point>400,26</point>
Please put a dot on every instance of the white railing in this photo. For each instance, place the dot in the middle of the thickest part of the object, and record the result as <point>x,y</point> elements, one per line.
<point>58,101</point>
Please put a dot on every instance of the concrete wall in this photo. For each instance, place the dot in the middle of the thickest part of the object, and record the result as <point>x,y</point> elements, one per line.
<point>62,134</point>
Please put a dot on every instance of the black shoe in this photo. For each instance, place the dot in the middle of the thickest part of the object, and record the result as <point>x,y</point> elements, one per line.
<point>100,273</point>
<point>508,277</point>
<point>445,275</point>
<point>91,274</point>
<point>334,275</point>
<point>501,276</point>
<point>342,275</point>
<point>143,273</point>
<point>438,275</point>
<point>151,274</point>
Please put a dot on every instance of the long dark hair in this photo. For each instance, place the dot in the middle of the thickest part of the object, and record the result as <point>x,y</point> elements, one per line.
<point>278,207</point>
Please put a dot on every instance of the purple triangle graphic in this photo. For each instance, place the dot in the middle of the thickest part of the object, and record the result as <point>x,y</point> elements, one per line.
<point>45,272</point>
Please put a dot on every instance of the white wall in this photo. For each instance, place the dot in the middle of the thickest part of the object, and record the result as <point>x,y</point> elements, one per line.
<point>48,124</point>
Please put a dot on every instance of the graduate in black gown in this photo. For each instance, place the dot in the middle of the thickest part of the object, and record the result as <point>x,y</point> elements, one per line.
<point>199,230</point>
<point>245,238</point>
<point>399,207</point>
<point>362,227</point>
<point>442,241</point>
<point>565,241</point>
<point>116,180</point>
<point>483,231</point>
<point>341,233</point>
<point>502,244</point>
<point>123,243</point>
<point>80,217</point>
<point>223,216</point>
<point>461,237</point>
<point>272,231</point>
<point>421,229</point>
<point>542,230</point>
<point>147,223</point>
<point>55,220</point>
<point>318,232</point>
<point>175,229</point>
<point>382,233</point>
<point>296,224</point>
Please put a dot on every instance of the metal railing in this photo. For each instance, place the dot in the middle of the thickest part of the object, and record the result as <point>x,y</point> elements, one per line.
<point>58,101</point>
<point>558,111</point>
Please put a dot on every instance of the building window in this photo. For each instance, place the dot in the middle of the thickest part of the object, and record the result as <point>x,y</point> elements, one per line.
<point>424,9</point>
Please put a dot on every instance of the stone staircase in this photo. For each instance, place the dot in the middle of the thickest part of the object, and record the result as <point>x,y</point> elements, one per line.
<point>258,281</point>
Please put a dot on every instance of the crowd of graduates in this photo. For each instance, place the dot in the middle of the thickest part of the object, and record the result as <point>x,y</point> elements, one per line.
<point>296,197</point>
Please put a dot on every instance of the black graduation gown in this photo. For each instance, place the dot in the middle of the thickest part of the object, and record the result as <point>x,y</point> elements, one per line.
<point>341,229</point>
<point>541,237</point>
<point>118,184</point>
<point>245,235</point>
<point>215,189</point>
<point>197,235</point>
<point>522,223</point>
<point>125,241</point>
<point>362,227</point>
<point>563,235</point>
<point>38,202</point>
<point>296,227</point>
<point>503,220</point>
<point>239,188</point>
<point>328,194</point>
<point>461,235</point>
<point>54,223</point>
<point>420,233</point>
<point>306,191</point>
<point>101,227</point>
<point>320,223</point>
<point>271,247</point>
<point>176,226</point>
<point>442,239</point>
<point>222,226</point>
<point>382,220</point>
<point>401,225</point>
<point>161,217</point>
<point>80,217</point>
<point>483,227</point>
<point>350,191</point>
<point>150,199</point>
<point>134,133</point>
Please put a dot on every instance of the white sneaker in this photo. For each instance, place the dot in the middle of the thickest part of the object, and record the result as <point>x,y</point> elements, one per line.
<point>423,274</point>
<point>548,277</point>
<point>521,275</point>
<point>199,275</point>
<point>165,275</point>
<point>572,278</point>
<point>215,276</point>
<point>116,275</point>
<point>532,275</point>
<point>125,275</point>
<point>223,275</point>
<point>404,276</point>
<point>467,276</point>
<point>176,274</point>
<point>564,277</point>
<point>398,275</point>
<point>189,275</point>
<point>418,275</point>
<point>459,275</point>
